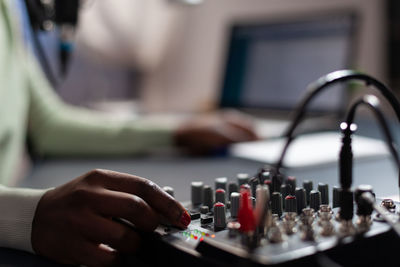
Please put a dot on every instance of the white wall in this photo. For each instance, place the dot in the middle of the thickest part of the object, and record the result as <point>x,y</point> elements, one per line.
<point>189,76</point>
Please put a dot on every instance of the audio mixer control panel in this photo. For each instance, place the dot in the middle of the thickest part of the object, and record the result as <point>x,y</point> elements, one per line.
<point>268,219</point>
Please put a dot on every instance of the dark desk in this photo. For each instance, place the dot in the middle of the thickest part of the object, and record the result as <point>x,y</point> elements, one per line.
<point>179,172</point>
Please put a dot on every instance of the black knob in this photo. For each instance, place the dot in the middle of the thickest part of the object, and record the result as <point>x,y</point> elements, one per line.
<point>204,209</point>
<point>235,200</point>
<point>208,197</point>
<point>276,182</point>
<point>253,183</point>
<point>219,215</point>
<point>308,186</point>
<point>300,194</point>
<point>243,178</point>
<point>290,204</point>
<point>220,195</point>
<point>197,192</point>
<point>315,200</point>
<point>363,207</point>
<point>285,191</point>
<point>335,197</point>
<point>276,203</point>
<point>324,190</point>
<point>291,181</point>
<point>232,187</point>
<point>221,182</point>
<point>265,176</point>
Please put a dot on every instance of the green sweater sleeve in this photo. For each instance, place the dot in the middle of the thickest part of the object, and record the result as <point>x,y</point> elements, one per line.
<point>59,129</point>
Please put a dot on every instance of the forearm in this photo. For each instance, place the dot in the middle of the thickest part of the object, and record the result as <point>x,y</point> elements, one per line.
<point>60,129</point>
<point>17,209</point>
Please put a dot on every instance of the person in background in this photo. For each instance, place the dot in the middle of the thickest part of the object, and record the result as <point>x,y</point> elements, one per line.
<point>73,222</point>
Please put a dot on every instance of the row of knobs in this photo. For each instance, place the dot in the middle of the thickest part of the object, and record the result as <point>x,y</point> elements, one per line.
<point>289,198</point>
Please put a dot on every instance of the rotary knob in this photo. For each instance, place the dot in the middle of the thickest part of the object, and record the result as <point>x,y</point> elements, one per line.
<point>220,195</point>
<point>221,182</point>
<point>324,190</point>
<point>219,215</point>
<point>290,204</point>
<point>235,200</point>
<point>276,203</point>
<point>197,192</point>
<point>308,186</point>
<point>315,200</point>
<point>208,197</point>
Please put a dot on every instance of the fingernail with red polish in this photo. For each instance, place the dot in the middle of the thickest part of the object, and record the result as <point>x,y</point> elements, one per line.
<point>185,218</point>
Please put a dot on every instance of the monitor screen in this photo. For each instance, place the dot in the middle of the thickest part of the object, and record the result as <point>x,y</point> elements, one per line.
<point>269,65</point>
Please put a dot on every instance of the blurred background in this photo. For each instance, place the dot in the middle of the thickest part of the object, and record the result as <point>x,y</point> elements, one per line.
<point>184,55</point>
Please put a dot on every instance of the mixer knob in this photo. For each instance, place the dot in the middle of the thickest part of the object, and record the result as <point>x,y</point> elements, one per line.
<point>291,181</point>
<point>220,195</point>
<point>315,200</point>
<point>276,203</point>
<point>219,215</point>
<point>253,183</point>
<point>276,182</point>
<point>363,208</point>
<point>208,196</point>
<point>232,187</point>
<point>235,200</point>
<point>221,182</point>
<point>204,209</point>
<point>169,190</point>
<point>265,176</point>
<point>243,178</point>
<point>285,191</point>
<point>308,186</point>
<point>290,204</point>
<point>324,190</point>
<point>300,194</point>
<point>335,197</point>
<point>197,191</point>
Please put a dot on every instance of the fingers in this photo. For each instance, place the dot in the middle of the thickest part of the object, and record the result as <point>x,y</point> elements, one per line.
<point>148,191</point>
<point>129,207</point>
<point>242,123</point>
<point>92,254</point>
<point>112,233</point>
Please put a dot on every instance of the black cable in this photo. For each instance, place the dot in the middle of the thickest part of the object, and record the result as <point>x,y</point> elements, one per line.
<point>372,103</point>
<point>322,83</point>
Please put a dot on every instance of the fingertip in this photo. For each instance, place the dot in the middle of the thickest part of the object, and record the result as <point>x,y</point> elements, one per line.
<point>185,219</point>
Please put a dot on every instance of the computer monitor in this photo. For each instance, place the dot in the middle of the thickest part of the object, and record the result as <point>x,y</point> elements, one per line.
<point>269,65</point>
